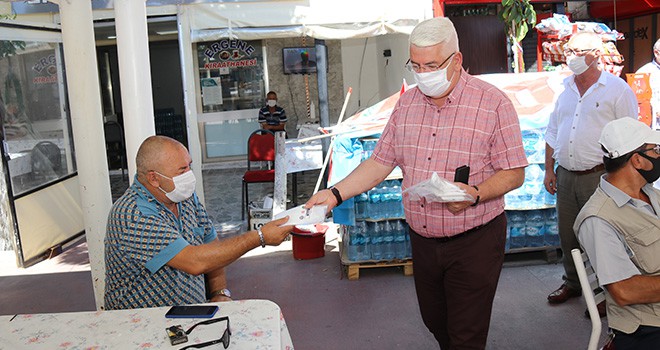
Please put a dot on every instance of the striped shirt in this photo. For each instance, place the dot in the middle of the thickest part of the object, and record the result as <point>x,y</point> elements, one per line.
<point>142,236</point>
<point>477,126</point>
<point>275,118</point>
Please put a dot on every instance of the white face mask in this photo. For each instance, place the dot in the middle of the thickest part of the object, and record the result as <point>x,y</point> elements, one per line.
<point>184,186</point>
<point>433,84</point>
<point>271,103</point>
<point>577,64</point>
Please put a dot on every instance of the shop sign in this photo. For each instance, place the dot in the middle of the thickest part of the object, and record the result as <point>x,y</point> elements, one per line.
<point>47,68</point>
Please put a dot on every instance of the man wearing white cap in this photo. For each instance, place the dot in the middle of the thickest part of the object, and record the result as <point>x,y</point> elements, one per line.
<point>619,229</point>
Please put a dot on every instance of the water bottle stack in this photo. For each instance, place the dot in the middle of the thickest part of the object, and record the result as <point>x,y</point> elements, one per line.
<point>380,232</point>
<point>532,228</point>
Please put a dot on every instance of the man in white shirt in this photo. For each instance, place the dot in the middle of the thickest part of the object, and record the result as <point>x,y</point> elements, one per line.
<point>653,69</point>
<point>619,228</point>
<point>590,100</point>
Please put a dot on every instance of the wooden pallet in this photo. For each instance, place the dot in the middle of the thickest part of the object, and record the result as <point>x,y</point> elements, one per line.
<point>353,268</point>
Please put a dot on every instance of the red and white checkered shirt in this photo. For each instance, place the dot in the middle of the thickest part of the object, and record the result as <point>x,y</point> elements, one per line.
<point>477,126</point>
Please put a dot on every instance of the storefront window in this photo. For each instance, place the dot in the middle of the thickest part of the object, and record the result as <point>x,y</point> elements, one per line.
<point>35,127</point>
<point>231,74</point>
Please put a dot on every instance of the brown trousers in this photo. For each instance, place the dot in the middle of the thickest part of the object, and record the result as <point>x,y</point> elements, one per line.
<point>456,280</point>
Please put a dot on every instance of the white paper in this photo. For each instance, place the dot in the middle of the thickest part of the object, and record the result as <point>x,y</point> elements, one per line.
<point>301,216</point>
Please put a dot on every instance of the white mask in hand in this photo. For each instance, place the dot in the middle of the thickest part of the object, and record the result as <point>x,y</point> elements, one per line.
<point>184,186</point>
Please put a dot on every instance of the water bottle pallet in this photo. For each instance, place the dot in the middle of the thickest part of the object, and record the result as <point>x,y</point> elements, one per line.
<point>353,268</point>
<point>549,254</point>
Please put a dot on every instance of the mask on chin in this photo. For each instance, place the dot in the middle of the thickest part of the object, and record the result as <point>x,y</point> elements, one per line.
<point>433,84</point>
<point>650,175</point>
<point>184,186</point>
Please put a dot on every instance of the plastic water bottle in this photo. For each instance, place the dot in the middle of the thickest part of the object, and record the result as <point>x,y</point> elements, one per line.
<point>361,202</point>
<point>385,200</point>
<point>354,242</point>
<point>400,234</point>
<point>408,247</point>
<point>368,147</point>
<point>551,229</point>
<point>397,203</point>
<point>516,227</point>
<point>376,246</point>
<point>535,228</point>
<point>533,186</point>
<point>373,207</point>
<point>388,240</point>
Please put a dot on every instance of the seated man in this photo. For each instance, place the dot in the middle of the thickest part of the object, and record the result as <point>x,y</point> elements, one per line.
<point>619,228</point>
<point>271,116</point>
<point>160,241</point>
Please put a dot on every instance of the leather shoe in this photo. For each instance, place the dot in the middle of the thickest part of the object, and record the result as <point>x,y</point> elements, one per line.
<point>562,294</point>
<point>602,310</point>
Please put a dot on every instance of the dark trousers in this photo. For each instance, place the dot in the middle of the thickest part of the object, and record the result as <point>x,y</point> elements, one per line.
<point>644,338</point>
<point>455,281</point>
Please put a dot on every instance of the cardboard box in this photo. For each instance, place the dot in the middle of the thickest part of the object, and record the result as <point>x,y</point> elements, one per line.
<point>640,85</point>
<point>258,218</point>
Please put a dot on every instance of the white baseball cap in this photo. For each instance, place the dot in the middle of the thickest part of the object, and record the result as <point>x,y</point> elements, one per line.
<point>622,136</point>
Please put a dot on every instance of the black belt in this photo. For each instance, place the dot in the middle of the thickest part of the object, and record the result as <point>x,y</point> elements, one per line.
<point>459,235</point>
<point>597,168</point>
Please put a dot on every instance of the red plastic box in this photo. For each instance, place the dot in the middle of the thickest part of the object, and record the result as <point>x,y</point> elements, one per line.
<point>308,245</point>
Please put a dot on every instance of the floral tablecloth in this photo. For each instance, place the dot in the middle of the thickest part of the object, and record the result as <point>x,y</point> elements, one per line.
<point>255,324</point>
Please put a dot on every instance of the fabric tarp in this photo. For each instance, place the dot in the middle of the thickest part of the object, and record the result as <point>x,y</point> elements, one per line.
<point>341,19</point>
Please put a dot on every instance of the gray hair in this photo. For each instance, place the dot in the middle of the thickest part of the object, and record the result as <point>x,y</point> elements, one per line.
<point>592,40</point>
<point>656,46</point>
<point>434,31</point>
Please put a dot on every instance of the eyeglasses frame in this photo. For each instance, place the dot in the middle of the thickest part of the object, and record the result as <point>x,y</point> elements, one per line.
<point>411,66</point>
<point>225,339</point>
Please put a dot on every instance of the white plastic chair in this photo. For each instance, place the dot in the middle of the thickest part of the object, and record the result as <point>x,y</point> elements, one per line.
<point>589,283</point>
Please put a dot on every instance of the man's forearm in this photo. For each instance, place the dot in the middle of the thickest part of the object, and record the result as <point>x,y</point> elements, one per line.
<point>500,183</point>
<point>367,175</point>
<point>549,160</point>
<point>636,290</point>
<point>216,279</point>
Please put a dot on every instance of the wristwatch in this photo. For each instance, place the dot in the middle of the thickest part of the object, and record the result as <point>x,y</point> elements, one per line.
<point>223,292</point>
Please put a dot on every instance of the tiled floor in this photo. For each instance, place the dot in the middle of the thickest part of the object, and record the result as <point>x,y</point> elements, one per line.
<point>322,308</point>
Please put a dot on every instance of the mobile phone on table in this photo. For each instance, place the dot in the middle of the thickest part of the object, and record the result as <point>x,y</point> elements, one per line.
<point>192,311</point>
<point>462,174</point>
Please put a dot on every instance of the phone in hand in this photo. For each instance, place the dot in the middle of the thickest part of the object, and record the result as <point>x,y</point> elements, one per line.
<point>192,311</point>
<point>462,174</point>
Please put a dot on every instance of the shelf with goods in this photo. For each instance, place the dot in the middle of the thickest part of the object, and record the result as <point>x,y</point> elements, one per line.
<point>554,33</point>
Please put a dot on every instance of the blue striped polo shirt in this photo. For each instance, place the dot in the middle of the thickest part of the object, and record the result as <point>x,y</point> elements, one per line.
<point>142,236</point>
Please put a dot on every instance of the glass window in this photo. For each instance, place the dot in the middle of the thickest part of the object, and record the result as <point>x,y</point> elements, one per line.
<point>36,129</point>
<point>231,74</point>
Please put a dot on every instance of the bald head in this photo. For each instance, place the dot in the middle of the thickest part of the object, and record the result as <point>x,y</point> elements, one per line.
<point>155,152</point>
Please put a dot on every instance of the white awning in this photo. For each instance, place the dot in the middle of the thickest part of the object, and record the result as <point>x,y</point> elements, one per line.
<point>320,19</point>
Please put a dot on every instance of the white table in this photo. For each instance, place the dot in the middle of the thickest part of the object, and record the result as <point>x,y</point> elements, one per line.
<point>255,324</point>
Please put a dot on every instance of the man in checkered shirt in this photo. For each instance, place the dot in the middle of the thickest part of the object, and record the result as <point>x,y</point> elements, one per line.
<point>450,119</point>
<point>160,243</point>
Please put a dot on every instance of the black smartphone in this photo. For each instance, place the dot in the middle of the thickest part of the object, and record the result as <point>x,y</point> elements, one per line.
<point>462,174</point>
<point>192,311</point>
